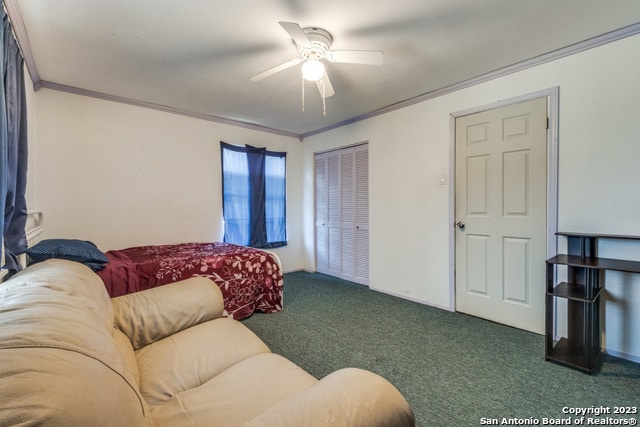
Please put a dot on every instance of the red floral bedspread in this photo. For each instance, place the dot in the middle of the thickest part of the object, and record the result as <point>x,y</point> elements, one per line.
<point>250,279</point>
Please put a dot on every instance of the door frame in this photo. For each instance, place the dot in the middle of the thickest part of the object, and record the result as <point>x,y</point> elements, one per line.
<point>552,96</point>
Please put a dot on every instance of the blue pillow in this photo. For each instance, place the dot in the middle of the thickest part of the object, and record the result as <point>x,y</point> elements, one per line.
<point>70,249</point>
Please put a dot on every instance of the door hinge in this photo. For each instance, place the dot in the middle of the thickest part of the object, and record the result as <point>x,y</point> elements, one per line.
<point>547,122</point>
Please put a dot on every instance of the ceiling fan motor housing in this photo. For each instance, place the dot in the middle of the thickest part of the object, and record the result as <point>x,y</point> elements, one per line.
<point>320,42</point>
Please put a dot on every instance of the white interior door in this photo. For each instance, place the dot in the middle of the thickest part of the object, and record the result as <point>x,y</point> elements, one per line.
<point>500,201</point>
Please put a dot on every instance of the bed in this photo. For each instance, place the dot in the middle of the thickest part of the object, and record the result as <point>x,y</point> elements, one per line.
<point>250,279</point>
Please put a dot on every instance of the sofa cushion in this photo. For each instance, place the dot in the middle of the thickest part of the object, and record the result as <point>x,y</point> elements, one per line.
<point>156,313</point>
<point>57,348</point>
<point>237,395</point>
<point>58,304</point>
<point>62,286</point>
<point>349,396</point>
<point>56,387</point>
<point>192,357</point>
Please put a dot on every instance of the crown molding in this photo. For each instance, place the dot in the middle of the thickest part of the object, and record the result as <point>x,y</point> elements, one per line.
<point>164,108</point>
<point>603,39</point>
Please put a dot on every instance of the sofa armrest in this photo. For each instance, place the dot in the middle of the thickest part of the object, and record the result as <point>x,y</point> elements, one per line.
<point>150,315</point>
<point>350,396</point>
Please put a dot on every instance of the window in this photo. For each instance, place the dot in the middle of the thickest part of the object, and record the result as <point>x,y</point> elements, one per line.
<point>253,196</point>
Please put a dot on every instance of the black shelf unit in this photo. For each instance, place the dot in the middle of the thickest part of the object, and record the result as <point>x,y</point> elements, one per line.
<point>581,347</point>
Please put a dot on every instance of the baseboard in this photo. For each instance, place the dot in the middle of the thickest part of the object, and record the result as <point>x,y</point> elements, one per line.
<point>409,298</point>
<point>295,270</point>
<point>614,353</point>
<point>622,355</point>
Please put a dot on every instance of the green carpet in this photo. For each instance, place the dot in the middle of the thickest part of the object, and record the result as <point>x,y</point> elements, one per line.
<point>454,369</point>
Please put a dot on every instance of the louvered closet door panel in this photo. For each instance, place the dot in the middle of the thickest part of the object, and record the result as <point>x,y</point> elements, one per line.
<point>347,214</point>
<point>333,201</point>
<point>322,207</point>
<point>362,215</point>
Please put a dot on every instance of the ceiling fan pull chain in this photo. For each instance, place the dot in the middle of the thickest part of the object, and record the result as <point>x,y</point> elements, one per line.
<point>302,93</point>
<point>324,100</point>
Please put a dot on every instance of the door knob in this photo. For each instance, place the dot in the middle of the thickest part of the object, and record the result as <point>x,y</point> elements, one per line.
<point>460,225</point>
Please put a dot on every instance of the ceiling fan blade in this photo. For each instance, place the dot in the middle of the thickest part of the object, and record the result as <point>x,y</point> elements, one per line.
<point>328,88</point>
<point>296,33</point>
<point>275,69</point>
<point>370,57</point>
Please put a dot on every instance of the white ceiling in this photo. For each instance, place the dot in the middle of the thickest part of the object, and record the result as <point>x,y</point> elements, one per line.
<point>196,56</point>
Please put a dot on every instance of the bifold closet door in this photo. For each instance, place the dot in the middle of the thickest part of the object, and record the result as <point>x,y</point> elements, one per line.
<point>342,213</point>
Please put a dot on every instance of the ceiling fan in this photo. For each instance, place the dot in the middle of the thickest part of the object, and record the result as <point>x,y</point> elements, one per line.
<point>313,45</point>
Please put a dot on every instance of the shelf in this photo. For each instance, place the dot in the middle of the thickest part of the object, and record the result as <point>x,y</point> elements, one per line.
<point>573,291</point>
<point>596,263</point>
<point>573,355</point>
<point>581,346</point>
<point>598,236</point>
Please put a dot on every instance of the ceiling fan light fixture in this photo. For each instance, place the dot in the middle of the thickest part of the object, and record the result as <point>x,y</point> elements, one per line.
<point>312,70</point>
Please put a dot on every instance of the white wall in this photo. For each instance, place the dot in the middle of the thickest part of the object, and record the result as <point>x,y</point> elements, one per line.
<point>410,149</point>
<point>122,176</point>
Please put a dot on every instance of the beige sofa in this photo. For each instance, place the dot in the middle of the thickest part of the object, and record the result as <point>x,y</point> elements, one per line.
<point>71,356</point>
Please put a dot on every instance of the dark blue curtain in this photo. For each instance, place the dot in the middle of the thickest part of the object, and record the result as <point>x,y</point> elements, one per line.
<point>3,131</point>
<point>257,196</point>
<point>254,196</point>
<point>13,138</point>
